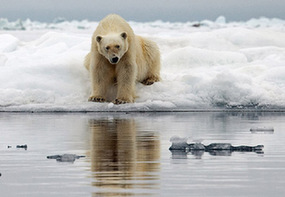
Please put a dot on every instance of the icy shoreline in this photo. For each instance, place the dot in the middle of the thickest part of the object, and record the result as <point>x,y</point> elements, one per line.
<point>217,66</point>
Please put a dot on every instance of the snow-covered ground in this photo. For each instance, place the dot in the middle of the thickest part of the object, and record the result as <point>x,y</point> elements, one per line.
<point>215,65</point>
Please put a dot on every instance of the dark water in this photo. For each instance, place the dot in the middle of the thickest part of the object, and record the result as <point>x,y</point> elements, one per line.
<point>127,155</point>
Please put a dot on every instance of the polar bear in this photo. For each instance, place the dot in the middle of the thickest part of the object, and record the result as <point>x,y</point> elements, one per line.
<point>118,58</point>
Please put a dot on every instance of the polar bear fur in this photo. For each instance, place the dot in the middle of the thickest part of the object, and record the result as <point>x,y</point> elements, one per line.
<point>118,58</point>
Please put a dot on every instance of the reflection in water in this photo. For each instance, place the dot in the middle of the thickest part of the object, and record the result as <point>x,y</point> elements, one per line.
<point>121,158</point>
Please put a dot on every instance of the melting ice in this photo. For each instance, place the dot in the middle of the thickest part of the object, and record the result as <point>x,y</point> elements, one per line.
<point>205,65</point>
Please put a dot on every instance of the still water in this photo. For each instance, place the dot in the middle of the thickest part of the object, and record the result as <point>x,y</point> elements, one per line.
<point>126,154</point>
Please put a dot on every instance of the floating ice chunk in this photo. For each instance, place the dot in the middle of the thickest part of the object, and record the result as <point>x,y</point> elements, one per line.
<point>25,146</point>
<point>262,130</point>
<point>179,144</point>
<point>65,157</point>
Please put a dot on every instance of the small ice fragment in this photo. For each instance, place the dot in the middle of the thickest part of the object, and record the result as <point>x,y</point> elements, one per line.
<point>262,129</point>
<point>22,146</point>
<point>65,157</point>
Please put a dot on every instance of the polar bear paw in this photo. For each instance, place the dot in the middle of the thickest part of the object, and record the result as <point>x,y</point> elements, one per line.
<point>120,101</point>
<point>96,99</point>
<point>150,81</point>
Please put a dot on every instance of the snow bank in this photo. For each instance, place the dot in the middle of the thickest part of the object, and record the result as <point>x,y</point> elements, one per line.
<point>218,65</point>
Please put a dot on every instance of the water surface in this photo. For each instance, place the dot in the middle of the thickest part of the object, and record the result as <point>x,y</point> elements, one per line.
<point>127,154</point>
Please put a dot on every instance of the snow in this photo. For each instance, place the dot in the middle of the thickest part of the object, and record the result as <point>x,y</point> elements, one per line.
<point>205,65</point>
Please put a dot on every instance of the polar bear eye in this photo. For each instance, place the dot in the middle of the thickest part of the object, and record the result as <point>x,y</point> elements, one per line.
<point>107,48</point>
<point>117,46</point>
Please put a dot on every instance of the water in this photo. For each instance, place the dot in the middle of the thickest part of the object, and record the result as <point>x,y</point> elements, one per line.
<point>127,154</point>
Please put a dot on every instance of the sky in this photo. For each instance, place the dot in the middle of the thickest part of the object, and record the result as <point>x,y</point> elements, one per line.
<point>142,10</point>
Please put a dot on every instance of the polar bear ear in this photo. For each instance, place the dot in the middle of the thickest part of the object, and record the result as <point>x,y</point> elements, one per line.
<point>124,35</point>
<point>98,38</point>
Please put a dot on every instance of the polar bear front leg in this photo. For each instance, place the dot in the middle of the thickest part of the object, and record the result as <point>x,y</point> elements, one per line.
<point>98,88</point>
<point>126,81</point>
<point>100,81</point>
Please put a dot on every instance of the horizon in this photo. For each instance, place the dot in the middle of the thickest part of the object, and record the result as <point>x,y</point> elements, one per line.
<point>142,11</point>
<point>219,19</point>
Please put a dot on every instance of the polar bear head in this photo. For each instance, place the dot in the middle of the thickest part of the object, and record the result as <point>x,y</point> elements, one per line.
<point>112,46</point>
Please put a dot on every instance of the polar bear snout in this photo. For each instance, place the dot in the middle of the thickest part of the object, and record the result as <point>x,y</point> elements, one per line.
<point>114,60</point>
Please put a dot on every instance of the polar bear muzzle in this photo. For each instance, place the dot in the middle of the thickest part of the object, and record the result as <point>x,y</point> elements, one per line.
<point>114,60</point>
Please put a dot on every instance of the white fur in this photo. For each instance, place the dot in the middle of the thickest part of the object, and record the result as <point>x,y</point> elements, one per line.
<point>119,57</point>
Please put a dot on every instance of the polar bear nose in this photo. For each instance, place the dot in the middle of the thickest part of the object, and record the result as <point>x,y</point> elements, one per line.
<point>114,60</point>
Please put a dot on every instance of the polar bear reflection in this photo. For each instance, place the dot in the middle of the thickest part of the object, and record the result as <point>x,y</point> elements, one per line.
<point>120,155</point>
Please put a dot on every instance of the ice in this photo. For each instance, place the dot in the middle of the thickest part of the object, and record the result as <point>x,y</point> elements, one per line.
<point>8,43</point>
<point>65,157</point>
<point>6,25</point>
<point>221,19</point>
<point>178,143</point>
<point>262,129</point>
<point>213,65</point>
